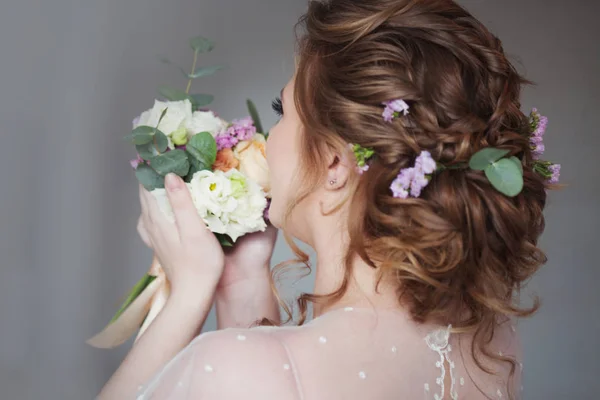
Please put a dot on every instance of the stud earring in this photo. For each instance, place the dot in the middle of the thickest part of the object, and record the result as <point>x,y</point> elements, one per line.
<point>332,182</point>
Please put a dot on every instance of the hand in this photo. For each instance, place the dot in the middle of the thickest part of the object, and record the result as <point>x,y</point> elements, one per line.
<point>249,258</point>
<point>188,252</point>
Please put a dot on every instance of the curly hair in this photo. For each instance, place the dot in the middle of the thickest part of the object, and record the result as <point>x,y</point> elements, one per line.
<point>461,251</point>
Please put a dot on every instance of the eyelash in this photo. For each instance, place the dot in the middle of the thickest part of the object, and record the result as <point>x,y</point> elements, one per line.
<point>277,107</point>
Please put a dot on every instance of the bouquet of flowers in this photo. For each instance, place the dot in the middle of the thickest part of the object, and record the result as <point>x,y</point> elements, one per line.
<point>224,167</point>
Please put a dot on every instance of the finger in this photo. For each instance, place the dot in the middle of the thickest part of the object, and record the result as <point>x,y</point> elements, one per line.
<point>141,228</point>
<point>187,219</point>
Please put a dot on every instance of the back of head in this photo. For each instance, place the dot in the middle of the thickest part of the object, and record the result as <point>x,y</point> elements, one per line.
<point>461,250</point>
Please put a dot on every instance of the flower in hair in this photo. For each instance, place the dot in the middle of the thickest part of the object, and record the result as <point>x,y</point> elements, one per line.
<point>411,181</point>
<point>362,156</point>
<point>538,124</point>
<point>393,108</point>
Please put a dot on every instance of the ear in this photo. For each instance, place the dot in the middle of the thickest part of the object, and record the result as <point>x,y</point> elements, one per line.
<point>338,171</point>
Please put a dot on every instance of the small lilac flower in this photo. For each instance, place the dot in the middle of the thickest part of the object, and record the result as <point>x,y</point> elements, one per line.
<point>539,150</point>
<point>393,108</point>
<point>538,124</point>
<point>398,189</point>
<point>418,184</point>
<point>555,169</point>
<point>134,163</point>
<point>411,181</point>
<point>406,176</point>
<point>136,121</point>
<point>425,163</point>
<point>388,115</point>
<point>363,169</point>
<point>225,141</point>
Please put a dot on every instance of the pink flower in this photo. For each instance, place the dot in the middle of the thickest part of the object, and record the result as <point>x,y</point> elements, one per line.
<point>134,163</point>
<point>398,190</point>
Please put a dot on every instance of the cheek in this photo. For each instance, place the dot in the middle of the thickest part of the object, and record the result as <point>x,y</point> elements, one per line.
<point>282,158</point>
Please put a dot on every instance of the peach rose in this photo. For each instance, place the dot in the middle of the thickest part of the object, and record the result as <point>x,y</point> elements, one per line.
<point>253,161</point>
<point>225,160</point>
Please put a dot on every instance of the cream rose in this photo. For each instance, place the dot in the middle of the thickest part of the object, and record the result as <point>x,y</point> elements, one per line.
<point>253,161</point>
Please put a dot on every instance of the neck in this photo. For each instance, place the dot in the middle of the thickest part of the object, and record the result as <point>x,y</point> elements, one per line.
<point>330,246</point>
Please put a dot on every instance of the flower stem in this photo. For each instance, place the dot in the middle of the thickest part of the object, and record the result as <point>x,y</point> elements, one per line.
<point>189,85</point>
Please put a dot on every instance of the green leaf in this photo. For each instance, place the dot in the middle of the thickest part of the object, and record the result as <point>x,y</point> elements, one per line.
<point>224,240</point>
<point>204,71</point>
<point>149,178</point>
<point>483,158</point>
<point>146,151</point>
<point>254,114</point>
<point>162,115</point>
<point>173,94</point>
<point>141,135</point>
<point>201,44</point>
<point>133,294</point>
<point>518,163</point>
<point>203,148</point>
<point>506,177</point>
<point>161,142</point>
<point>174,161</point>
<point>201,100</point>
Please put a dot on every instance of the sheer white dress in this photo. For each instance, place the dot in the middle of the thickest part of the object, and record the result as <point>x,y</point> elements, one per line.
<point>345,354</point>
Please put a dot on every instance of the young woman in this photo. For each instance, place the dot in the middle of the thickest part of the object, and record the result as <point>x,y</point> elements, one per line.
<point>419,256</point>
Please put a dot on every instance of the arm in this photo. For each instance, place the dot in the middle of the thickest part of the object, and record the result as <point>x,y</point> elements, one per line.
<point>180,247</point>
<point>242,303</point>
<point>244,295</point>
<point>172,330</point>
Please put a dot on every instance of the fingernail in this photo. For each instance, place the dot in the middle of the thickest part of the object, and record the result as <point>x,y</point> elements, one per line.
<point>172,182</point>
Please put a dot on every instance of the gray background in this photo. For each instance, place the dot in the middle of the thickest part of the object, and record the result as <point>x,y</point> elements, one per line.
<point>73,74</point>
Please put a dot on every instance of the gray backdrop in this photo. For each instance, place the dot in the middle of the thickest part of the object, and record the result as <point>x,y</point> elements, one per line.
<point>74,73</point>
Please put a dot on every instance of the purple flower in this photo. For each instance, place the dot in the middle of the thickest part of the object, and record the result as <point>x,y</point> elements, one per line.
<point>136,121</point>
<point>398,190</point>
<point>242,129</point>
<point>425,163</point>
<point>225,141</point>
<point>538,124</point>
<point>393,108</point>
<point>411,181</point>
<point>555,169</point>
<point>363,169</point>
<point>134,163</point>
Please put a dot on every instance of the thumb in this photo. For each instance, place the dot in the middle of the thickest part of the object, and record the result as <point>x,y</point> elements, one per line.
<point>186,216</point>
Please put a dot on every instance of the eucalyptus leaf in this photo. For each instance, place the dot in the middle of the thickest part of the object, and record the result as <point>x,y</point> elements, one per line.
<point>202,44</point>
<point>506,177</point>
<point>224,240</point>
<point>161,142</point>
<point>518,163</point>
<point>149,178</point>
<point>204,71</point>
<point>146,151</point>
<point>141,135</point>
<point>483,158</point>
<point>254,114</point>
<point>174,161</point>
<point>162,115</point>
<point>133,294</point>
<point>173,94</point>
<point>203,148</point>
<point>201,100</point>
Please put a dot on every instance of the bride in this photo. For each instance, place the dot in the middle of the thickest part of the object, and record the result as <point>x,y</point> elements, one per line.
<point>419,256</point>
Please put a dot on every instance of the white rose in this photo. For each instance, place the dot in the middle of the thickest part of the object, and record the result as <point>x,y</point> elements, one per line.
<point>204,121</point>
<point>178,112</point>
<point>253,161</point>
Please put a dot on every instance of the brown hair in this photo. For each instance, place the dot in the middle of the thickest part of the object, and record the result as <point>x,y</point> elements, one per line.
<point>462,250</point>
